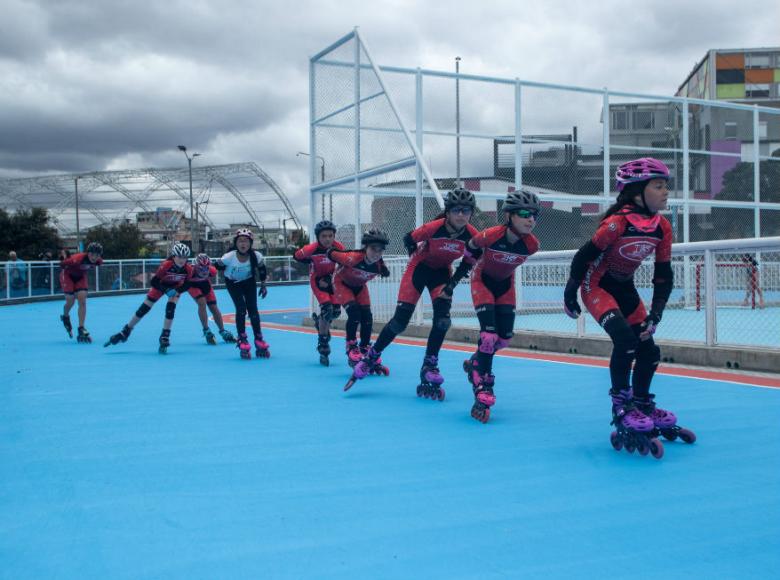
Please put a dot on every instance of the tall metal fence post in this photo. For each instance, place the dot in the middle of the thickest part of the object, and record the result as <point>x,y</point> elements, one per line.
<point>143,273</point>
<point>418,203</point>
<point>688,290</point>
<point>29,279</point>
<point>756,175</point>
<point>709,298</point>
<point>51,277</point>
<point>121,277</point>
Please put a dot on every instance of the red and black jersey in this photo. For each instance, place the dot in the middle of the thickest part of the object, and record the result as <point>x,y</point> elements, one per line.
<point>500,258</point>
<point>437,248</point>
<point>352,268</point>
<point>626,239</point>
<point>316,256</point>
<point>77,265</point>
<point>201,274</point>
<point>169,275</point>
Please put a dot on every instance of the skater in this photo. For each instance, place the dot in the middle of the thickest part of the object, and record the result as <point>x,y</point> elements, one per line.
<point>753,286</point>
<point>603,269</point>
<point>171,280</point>
<point>433,248</point>
<point>74,283</point>
<point>203,294</point>
<point>503,249</point>
<point>321,279</point>
<point>354,270</point>
<point>242,267</point>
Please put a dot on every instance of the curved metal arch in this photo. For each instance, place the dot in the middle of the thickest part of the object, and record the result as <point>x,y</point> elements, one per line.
<point>169,181</point>
<point>224,182</point>
<point>252,167</point>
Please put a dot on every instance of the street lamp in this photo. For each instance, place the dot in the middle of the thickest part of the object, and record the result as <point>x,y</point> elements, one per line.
<point>183,149</point>
<point>284,225</point>
<point>197,221</point>
<point>78,229</point>
<point>322,180</point>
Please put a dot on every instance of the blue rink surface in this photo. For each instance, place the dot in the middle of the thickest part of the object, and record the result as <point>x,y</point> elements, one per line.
<point>123,463</point>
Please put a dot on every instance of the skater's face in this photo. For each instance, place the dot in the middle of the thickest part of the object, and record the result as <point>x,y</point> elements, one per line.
<point>180,261</point>
<point>93,257</point>
<point>243,244</point>
<point>523,221</point>
<point>459,216</point>
<point>374,252</point>
<point>326,238</point>
<point>656,195</point>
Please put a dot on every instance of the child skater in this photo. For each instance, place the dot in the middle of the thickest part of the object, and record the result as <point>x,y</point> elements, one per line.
<point>170,280</point>
<point>73,280</point>
<point>603,270</point>
<point>203,294</point>
<point>503,249</point>
<point>321,280</point>
<point>242,267</point>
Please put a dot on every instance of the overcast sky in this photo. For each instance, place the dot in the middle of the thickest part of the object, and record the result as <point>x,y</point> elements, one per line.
<point>87,85</point>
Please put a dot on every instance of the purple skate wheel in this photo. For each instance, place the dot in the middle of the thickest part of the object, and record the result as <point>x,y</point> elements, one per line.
<point>441,395</point>
<point>614,439</point>
<point>656,448</point>
<point>687,435</point>
<point>420,391</point>
<point>643,449</point>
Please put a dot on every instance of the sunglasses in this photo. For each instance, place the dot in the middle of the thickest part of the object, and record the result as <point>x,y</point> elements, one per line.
<point>526,213</point>
<point>464,209</point>
<point>376,247</point>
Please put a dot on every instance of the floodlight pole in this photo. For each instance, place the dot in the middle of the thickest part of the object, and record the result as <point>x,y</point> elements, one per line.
<point>78,228</point>
<point>183,149</point>
<point>457,121</point>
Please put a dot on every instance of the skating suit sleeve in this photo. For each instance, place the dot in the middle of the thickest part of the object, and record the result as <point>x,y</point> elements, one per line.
<point>262,271</point>
<point>320,265</point>
<point>304,254</point>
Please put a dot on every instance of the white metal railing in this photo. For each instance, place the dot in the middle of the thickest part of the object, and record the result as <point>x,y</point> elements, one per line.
<point>21,280</point>
<point>719,296</point>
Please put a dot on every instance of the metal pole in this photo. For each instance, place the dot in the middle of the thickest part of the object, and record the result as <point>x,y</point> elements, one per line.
<point>418,134</point>
<point>518,136</point>
<point>756,176</point>
<point>457,121</point>
<point>197,229</point>
<point>78,228</point>
<point>192,214</point>
<point>357,141</point>
<point>606,169</point>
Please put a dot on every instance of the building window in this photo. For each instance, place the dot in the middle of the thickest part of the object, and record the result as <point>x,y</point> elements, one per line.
<point>757,61</point>
<point>643,120</point>
<point>730,130</point>
<point>757,91</point>
<point>620,120</point>
<point>762,129</point>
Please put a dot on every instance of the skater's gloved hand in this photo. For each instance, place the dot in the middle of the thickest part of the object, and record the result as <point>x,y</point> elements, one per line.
<point>171,293</point>
<point>447,291</point>
<point>384,272</point>
<point>650,324</point>
<point>570,304</point>
<point>263,292</point>
<point>324,283</point>
<point>410,244</point>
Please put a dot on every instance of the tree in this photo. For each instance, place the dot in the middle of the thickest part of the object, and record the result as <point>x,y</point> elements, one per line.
<point>738,182</point>
<point>28,233</point>
<point>120,241</point>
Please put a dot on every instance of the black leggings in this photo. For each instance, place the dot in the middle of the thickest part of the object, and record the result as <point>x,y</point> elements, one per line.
<point>244,295</point>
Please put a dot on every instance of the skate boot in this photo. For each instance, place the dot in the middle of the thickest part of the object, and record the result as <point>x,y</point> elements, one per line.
<point>634,429</point>
<point>431,380</point>
<point>243,346</point>
<point>323,347</point>
<point>483,397</point>
<point>209,336</point>
<point>226,335</point>
<point>165,341</point>
<point>261,348</point>
<point>378,368</point>
<point>84,336</point>
<point>354,354</point>
<point>665,422</point>
<point>120,336</point>
<point>371,363</point>
<point>66,323</point>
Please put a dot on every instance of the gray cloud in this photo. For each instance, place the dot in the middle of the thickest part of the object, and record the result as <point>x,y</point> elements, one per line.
<point>90,85</point>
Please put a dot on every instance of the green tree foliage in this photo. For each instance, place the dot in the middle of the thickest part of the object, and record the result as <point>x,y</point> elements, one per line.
<point>121,241</point>
<point>28,233</point>
<point>738,182</point>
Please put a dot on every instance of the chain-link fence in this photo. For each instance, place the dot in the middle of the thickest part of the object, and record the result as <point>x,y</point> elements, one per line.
<point>385,140</point>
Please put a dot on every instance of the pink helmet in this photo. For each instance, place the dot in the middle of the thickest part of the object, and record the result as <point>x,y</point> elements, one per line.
<point>643,169</point>
<point>246,232</point>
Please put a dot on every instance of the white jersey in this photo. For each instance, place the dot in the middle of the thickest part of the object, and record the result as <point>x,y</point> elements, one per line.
<point>236,270</point>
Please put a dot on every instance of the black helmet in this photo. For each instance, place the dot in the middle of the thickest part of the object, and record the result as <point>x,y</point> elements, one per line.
<point>95,248</point>
<point>322,226</point>
<point>459,196</point>
<point>521,199</point>
<point>375,237</point>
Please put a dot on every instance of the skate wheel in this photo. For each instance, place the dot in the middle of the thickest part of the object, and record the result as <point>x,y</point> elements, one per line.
<point>656,448</point>
<point>441,394</point>
<point>668,434</point>
<point>643,449</point>
<point>630,447</point>
<point>614,439</point>
<point>386,371</point>
<point>485,416</point>
<point>687,435</point>
<point>324,361</point>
